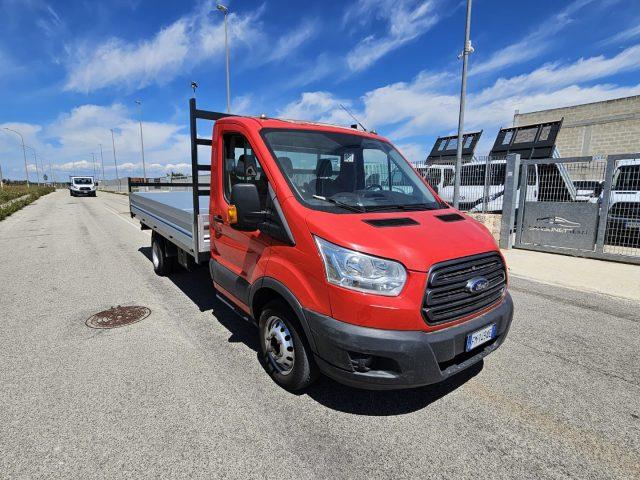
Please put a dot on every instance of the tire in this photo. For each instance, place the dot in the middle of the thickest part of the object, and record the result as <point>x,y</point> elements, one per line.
<point>286,354</point>
<point>162,264</point>
<point>71,193</point>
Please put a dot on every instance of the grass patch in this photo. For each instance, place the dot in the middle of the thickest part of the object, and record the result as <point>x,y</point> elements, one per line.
<point>12,192</point>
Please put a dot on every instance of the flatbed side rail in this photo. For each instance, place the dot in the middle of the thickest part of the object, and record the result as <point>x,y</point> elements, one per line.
<point>198,189</point>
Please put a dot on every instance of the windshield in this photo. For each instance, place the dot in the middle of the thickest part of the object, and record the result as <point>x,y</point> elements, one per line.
<point>342,172</point>
<point>627,178</point>
<point>83,181</point>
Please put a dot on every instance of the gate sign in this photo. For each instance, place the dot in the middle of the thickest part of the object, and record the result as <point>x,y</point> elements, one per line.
<point>560,224</point>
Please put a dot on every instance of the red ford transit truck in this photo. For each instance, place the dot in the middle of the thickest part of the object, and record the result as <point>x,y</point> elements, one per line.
<point>339,251</point>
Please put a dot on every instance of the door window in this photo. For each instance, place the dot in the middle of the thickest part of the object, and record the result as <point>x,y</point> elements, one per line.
<point>238,155</point>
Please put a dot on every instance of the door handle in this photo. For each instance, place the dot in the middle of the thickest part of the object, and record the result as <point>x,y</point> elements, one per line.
<point>218,219</point>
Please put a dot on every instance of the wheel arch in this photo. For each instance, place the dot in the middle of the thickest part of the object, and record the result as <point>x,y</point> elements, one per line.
<point>269,289</point>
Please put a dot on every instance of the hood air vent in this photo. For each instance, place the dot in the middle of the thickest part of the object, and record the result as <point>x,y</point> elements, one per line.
<point>450,217</point>
<point>391,222</point>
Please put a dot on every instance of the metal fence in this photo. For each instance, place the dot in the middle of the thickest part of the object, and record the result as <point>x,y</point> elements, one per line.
<point>581,206</point>
<point>481,183</point>
<point>121,185</point>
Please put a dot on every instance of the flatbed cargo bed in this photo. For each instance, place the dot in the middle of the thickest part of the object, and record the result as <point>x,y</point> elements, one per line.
<point>170,213</point>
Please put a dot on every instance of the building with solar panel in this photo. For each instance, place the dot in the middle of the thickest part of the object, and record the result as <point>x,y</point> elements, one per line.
<point>598,129</point>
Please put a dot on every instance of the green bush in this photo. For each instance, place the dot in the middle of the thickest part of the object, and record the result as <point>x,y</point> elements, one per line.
<point>11,192</point>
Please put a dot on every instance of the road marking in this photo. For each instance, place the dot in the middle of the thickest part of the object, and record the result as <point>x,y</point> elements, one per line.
<point>131,224</point>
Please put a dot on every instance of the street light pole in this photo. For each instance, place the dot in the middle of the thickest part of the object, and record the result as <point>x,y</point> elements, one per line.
<point>102,161</point>
<point>463,96</point>
<point>53,175</point>
<point>225,12</point>
<point>35,159</point>
<point>144,168</point>
<point>93,156</point>
<point>115,162</point>
<point>24,154</point>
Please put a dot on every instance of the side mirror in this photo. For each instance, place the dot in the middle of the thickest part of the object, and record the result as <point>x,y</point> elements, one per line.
<point>244,196</point>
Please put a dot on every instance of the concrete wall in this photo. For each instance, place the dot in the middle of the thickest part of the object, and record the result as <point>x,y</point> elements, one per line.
<point>599,128</point>
<point>490,220</point>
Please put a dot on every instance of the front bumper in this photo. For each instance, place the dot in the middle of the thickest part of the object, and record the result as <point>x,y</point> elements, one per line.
<point>84,192</point>
<point>394,359</point>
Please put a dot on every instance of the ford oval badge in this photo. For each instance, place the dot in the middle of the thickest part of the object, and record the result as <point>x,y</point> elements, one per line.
<point>477,285</point>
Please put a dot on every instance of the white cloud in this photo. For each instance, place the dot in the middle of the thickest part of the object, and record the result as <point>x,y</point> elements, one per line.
<point>405,21</point>
<point>428,106</point>
<point>319,106</point>
<point>533,44</point>
<point>118,63</point>
<point>175,49</point>
<point>623,36</point>
<point>290,42</point>
<point>71,139</point>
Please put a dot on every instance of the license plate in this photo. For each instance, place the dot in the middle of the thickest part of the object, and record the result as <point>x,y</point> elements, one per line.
<point>481,336</point>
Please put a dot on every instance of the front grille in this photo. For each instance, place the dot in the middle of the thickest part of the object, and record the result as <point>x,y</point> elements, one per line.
<point>447,297</point>
<point>85,188</point>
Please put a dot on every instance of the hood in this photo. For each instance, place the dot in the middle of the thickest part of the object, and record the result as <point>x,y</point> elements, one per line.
<point>417,246</point>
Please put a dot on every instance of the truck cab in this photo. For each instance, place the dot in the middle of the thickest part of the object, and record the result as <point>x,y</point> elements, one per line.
<point>344,257</point>
<point>82,186</point>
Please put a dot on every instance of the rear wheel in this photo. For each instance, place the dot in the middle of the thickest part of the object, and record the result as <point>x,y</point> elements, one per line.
<point>287,356</point>
<point>162,264</point>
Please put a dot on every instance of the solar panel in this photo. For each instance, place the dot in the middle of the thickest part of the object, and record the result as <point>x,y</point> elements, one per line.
<point>530,141</point>
<point>445,149</point>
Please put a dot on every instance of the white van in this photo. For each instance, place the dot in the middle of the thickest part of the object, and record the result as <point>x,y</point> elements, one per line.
<point>79,186</point>
<point>623,222</point>
<point>437,175</point>
<point>472,181</point>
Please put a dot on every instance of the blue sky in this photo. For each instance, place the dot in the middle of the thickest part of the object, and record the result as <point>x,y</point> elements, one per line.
<point>72,70</point>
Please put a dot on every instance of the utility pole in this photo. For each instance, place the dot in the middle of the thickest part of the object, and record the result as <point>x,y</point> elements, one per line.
<point>225,12</point>
<point>93,155</point>
<point>115,162</point>
<point>1,180</point>
<point>468,49</point>
<point>144,168</point>
<point>102,161</point>
<point>24,154</point>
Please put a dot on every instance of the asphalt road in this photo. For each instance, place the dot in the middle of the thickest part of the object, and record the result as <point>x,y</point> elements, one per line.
<point>182,394</point>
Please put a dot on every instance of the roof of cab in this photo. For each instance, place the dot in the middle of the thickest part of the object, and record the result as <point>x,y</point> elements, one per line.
<point>266,122</point>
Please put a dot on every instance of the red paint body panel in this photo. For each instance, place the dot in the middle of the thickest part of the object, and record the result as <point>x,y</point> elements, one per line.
<point>252,255</point>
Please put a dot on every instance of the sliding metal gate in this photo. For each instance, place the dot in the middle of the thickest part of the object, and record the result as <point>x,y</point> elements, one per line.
<point>584,206</point>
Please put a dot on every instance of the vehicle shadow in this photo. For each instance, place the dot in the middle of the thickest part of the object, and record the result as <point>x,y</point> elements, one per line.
<point>197,286</point>
<point>346,399</point>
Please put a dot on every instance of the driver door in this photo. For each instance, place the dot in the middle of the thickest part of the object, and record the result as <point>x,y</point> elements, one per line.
<point>240,257</point>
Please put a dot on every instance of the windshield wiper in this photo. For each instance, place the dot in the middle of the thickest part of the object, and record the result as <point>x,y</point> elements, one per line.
<point>346,206</point>
<point>407,206</point>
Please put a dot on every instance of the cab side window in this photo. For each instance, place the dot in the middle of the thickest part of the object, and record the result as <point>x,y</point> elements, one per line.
<point>242,166</point>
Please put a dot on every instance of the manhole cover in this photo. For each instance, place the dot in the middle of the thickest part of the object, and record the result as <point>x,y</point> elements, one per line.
<point>118,317</point>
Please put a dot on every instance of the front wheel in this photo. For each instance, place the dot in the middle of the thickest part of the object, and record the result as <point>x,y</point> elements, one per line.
<point>287,356</point>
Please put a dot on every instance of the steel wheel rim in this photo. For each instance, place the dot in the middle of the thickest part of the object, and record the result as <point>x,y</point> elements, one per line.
<point>155,258</point>
<point>278,345</point>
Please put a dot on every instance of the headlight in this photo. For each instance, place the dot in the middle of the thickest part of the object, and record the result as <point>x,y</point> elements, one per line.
<point>357,271</point>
